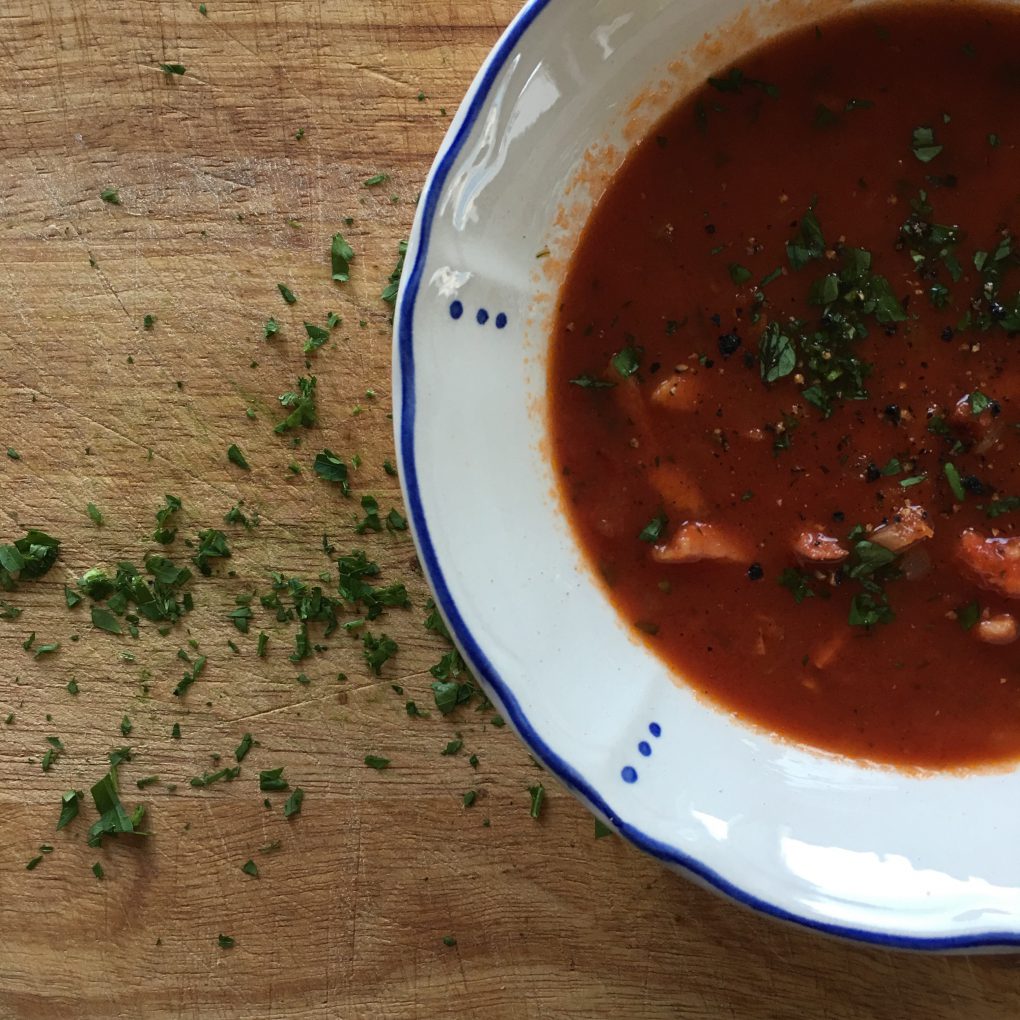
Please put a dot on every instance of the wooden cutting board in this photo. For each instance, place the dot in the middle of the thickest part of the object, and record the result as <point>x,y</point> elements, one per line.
<point>231,178</point>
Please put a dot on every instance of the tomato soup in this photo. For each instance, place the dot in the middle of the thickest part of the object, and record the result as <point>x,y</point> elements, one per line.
<point>782,391</point>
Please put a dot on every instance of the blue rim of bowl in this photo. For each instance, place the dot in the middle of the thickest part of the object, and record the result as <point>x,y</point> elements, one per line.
<point>451,149</point>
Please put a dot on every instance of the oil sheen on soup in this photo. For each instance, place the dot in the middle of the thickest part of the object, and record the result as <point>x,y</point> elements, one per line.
<point>784,403</point>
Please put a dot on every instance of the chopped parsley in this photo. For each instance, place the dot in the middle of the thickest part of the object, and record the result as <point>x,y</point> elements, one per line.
<point>272,781</point>
<point>378,650</point>
<point>798,583</point>
<point>103,619</point>
<point>250,868</point>
<point>173,69</point>
<point>164,535</point>
<point>967,616</point>
<point>190,677</point>
<point>1005,505</point>
<point>923,144</point>
<point>235,456</point>
<point>809,245</point>
<point>94,514</point>
<point>871,565</point>
<point>776,355</point>
<point>212,545</point>
<point>110,196</point>
<point>954,480</point>
<point>978,403</point>
<point>653,530</point>
<point>537,799</point>
<point>27,558</point>
<point>286,293</point>
<point>739,274</point>
<point>292,806</point>
<point>375,762</point>
<point>270,329</point>
<point>317,336</point>
<point>333,469</point>
<point>589,382</point>
<point>113,817</point>
<point>301,404</point>
<point>69,802</point>
<point>227,775</point>
<point>341,254</point>
<point>627,362</point>
<point>242,749</point>
<point>389,294</point>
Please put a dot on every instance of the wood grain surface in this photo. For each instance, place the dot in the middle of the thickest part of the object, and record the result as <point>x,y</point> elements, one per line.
<point>220,201</point>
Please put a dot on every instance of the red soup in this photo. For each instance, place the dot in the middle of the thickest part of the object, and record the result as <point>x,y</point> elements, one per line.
<point>784,404</point>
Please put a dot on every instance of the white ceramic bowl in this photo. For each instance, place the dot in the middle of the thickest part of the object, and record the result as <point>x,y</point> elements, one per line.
<point>925,862</point>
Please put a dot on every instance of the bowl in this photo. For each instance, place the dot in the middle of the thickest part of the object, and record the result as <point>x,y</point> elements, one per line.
<point>913,860</point>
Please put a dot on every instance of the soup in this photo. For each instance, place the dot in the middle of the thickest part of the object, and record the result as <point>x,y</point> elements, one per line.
<point>783,405</point>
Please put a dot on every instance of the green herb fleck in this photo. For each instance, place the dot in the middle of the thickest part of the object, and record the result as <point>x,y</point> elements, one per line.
<point>797,583</point>
<point>235,456</point>
<point>341,254</point>
<point>378,650</point>
<point>113,818</point>
<point>739,274</point>
<point>924,145</point>
<point>776,354</point>
<point>272,781</point>
<point>590,382</point>
<point>292,806</point>
<point>317,336</point>
<point>103,619</point>
<point>333,469</point>
<point>978,402</point>
<point>967,616</point>
<point>301,404</point>
<point>627,362</point>
<point>537,799</point>
<point>653,530</point>
<point>389,294</point>
<point>68,808</point>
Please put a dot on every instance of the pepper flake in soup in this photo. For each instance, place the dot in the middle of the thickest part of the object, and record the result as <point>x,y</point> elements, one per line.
<point>784,405</point>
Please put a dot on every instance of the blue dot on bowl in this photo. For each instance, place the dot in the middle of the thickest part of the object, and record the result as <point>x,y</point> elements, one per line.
<point>645,748</point>
<point>501,320</point>
<point>456,310</point>
<point>655,729</point>
<point>629,774</point>
<point>482,316</point>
